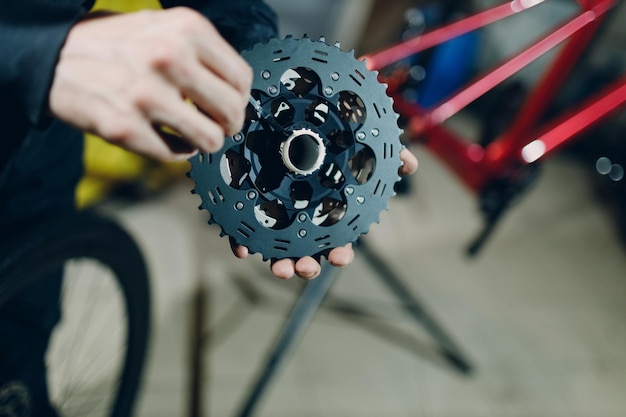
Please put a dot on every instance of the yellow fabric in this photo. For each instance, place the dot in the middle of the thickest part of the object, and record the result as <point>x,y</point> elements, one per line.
<point>126,5</point>
<point>107,165</point>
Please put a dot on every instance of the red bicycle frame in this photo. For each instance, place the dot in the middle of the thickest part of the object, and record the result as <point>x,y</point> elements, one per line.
<point>525,141</point>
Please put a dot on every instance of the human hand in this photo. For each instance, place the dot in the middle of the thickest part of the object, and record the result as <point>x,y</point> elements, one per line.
<point>309,268</point>
<point>124,77</point>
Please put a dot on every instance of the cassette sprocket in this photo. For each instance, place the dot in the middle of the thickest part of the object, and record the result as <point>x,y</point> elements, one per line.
<point>316,160</point>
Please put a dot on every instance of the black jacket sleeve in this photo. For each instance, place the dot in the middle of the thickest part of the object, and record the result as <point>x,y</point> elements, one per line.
<point>32,33</point>
<point>243,23</point>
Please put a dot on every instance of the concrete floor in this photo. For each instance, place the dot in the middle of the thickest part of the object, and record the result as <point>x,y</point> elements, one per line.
<point>540,313</point>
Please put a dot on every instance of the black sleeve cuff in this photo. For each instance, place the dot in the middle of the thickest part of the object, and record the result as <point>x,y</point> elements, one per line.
<point>243,23</point>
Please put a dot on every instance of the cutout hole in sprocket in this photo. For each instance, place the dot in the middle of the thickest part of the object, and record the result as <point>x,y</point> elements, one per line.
<point>331,176</point>
<point>362,165</point>
<point>300,81</point>
<point>318,112</point>
<point>329,212</point>
<point>235,168</point>
<point>351,108</point>
<point>283,111</point>
<point>272,215</point>
<point>301,193</point>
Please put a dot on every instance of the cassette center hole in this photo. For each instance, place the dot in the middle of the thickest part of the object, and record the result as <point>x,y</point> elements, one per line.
<point>303,152</point>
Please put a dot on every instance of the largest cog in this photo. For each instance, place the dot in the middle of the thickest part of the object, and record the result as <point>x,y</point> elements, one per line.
<point>316,160</point>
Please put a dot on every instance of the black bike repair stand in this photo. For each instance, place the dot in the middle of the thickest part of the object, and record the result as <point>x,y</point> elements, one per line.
<point>309,301</point>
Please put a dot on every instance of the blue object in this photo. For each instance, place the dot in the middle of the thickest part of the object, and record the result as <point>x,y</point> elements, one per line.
<point>449,66</point>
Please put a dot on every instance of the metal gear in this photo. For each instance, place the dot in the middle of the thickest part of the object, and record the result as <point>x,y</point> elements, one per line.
<point>316,160</point>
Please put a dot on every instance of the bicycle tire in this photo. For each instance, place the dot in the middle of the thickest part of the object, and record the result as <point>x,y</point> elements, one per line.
<point>47,244</point>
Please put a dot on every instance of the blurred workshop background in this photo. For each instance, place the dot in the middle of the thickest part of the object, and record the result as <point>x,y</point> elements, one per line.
<point>540,313</point>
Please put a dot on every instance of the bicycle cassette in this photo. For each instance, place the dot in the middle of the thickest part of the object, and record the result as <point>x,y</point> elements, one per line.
<point>316,160</point>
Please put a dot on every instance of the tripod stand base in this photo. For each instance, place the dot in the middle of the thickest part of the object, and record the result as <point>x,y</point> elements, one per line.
<point>309,302</point>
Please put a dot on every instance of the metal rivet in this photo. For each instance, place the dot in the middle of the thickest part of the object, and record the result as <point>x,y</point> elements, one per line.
<point>328,91</point>
<point>375,132</point>
<point>334,76</point>
<point>266,74</point>
<point>302,217</point>
<point>360,135</point>
<point>349,190</point>
<point>272,89</point>
<point>360,199</point>
<point>239,205</point>
<point>302,233</point>
<point>251,195</point>
<point>238,137</point>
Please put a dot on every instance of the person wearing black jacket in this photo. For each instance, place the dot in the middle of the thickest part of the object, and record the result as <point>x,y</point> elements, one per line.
<point>63,71</point>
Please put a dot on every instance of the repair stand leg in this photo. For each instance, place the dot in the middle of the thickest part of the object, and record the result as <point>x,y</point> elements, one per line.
<point>451,352</point>
<point>301,315</point>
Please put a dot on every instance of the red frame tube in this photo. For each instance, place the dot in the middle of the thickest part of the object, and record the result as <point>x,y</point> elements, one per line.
<point>388,56</point>
<point>474,165</point>
<point>576,121</point>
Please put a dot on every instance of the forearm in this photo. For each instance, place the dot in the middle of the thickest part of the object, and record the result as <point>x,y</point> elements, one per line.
<point>31,36</point>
